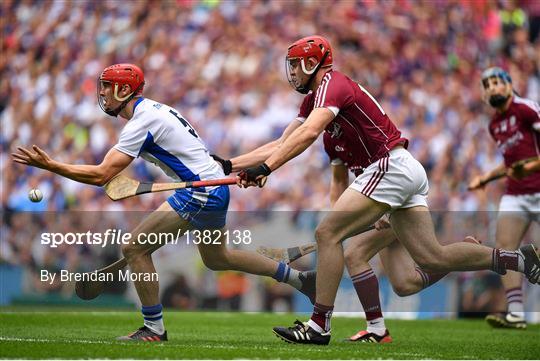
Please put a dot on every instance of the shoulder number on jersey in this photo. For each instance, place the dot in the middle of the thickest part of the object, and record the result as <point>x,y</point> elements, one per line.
<point>185,123</point>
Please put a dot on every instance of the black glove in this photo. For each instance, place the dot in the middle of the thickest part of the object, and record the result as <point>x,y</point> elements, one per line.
<point>226,164</point>
<point>256,174</point>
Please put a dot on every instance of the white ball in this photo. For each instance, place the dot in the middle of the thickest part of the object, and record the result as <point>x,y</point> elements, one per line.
<point>35,195</point>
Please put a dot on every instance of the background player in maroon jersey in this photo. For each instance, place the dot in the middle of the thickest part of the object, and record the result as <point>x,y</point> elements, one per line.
<point>515,127</point>
<point>392,181</point>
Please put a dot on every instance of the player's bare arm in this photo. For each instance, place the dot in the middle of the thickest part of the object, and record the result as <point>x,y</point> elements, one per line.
<point>524,170</point>
<point>259,155</point>
<point>301,138</point>
<point>113,163</point>
<point>480,181</point>
<point>295,144</point>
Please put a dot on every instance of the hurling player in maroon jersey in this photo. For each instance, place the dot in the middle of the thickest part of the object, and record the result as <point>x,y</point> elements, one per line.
<point>515,127</point>
<point>405,277</point>
<point>392,181</point>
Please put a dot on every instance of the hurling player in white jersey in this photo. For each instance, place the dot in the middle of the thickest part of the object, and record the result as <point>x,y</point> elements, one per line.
<point>515,127</point>
<point>159,134</point>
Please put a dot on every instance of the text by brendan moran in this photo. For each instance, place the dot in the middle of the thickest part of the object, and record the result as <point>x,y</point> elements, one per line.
<point>122,275</point>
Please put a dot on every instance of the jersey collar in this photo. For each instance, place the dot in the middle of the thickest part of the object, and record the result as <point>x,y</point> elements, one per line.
<point>137,103</point>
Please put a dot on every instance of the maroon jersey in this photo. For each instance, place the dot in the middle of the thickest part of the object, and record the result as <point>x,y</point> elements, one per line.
<point>517,133</point>
<point>361,133</point>
<point>335,150</point>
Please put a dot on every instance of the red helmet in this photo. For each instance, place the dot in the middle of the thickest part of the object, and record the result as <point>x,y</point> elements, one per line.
<point>312,46</point>
<point>118,75</point>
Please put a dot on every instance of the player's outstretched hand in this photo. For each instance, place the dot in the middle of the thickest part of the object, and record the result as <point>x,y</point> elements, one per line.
<point>254,176</point>
<point>36,158</point>
<point>517,173</point>
<point>476,183</point>
<point>524,168</point>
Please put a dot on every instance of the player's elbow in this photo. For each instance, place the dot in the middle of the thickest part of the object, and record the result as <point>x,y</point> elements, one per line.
<point>310,134</point>
<point>104,173</point>
<point>101,178</point>
<point>100,182</point>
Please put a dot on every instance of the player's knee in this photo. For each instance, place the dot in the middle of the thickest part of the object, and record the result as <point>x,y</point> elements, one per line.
<point>324,234</point>
<point>403,290</point>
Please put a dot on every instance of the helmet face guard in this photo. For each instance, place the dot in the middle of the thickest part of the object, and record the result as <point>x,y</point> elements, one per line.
<point>292,63</point>
<point>297,56</point>
<point>124,100</point>
<point>116,76</point>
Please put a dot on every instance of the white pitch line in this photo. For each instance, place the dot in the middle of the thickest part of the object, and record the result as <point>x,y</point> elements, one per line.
<point>125,343</point>
<point>44,340</point>
<point>168,345</point>
<point>93,313</point>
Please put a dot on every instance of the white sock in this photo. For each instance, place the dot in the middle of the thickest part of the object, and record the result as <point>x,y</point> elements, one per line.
<point>285,273</point>
<point>156,326</point>
<point>514,300</point>
<point>376,326</point>
<point>314,326</point>
<point>153,318</point>
<point>294,279</point>
<point>516,308</point>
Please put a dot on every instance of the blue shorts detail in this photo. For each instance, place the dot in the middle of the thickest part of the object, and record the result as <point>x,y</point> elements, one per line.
<point>203,210</point>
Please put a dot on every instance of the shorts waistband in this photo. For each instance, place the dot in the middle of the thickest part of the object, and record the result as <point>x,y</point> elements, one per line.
<point>394,152</point>
<point>398,150</point>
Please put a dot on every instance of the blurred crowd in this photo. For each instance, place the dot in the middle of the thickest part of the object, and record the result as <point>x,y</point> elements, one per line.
<point>221,64</point>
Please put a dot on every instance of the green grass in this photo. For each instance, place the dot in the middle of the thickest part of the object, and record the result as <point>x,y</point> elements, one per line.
<point>200,335</point>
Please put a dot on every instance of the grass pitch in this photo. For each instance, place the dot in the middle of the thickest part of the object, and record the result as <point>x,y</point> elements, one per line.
<point>198,335</point>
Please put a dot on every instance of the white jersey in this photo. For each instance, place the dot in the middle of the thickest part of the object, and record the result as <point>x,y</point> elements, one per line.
<point>159,134</point>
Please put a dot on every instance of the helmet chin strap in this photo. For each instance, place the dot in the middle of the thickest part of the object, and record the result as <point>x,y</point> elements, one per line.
<point>125,100</point>
<point>116,94</point>
<point>304,89</point>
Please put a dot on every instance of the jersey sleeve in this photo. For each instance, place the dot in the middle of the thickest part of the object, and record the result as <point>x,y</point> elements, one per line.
<point>305,108</point>
<point>131,139</point>
<point>334,94</point>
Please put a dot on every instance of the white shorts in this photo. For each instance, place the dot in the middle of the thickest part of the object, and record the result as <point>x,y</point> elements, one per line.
<point>524,205</point>
<point>398,180</point>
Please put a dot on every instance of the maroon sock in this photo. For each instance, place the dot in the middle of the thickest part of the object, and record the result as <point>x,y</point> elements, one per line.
<point>322,315</point>
<point>504,260</point>
<point>367,289</point>
<point>429,278</point>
